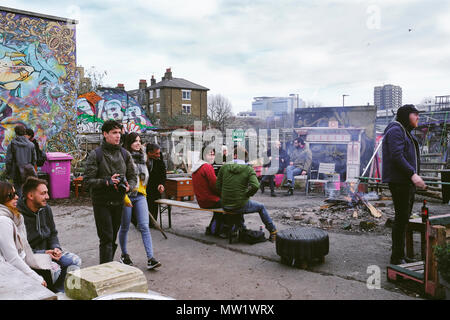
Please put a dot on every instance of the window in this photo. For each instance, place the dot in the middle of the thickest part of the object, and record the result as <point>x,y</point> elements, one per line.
<point>186,108</point>
<point>151,94</point>
<point>186,94</point>
<point>157,93</point>
<point>151,108</point>
<point>158,107</point>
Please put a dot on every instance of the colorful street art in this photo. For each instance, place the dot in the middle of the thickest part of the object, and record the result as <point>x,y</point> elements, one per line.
<point>37,80</point>
<point>94,108</point>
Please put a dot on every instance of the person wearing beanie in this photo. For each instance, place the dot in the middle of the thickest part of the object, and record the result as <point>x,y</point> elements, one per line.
<point>401,168</point>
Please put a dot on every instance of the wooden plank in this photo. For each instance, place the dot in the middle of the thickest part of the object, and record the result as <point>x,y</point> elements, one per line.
<point>187,205</point>
<point>15,285</point>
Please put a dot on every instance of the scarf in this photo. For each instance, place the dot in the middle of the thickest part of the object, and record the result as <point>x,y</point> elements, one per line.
<point>20,236</point>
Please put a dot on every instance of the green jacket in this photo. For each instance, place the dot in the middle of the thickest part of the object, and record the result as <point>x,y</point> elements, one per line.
<point>236,183</point>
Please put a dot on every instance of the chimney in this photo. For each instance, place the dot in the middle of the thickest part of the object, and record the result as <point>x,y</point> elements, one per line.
<point>120,86</point>
<point>142,84</point>
<point>168,74</point>
<point>152,80</point>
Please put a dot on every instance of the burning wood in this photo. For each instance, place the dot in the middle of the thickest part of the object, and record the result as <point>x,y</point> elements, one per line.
<point>354,200</point>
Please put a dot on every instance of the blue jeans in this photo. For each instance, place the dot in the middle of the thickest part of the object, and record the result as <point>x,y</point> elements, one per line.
<point>254,206</point>
<point>68,262</point>
<point>140,209</point>
<point>291,172</point>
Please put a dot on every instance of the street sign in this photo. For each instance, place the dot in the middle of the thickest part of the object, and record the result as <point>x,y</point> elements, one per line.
<point>238,135</point>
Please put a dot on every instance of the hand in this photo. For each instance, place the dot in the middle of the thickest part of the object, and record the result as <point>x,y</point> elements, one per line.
<point>128,186</point>
<point>303,172</point>
<point>418,181</point>
<point>57,253</point>
<point>44,283</point>
<point>161,188</point>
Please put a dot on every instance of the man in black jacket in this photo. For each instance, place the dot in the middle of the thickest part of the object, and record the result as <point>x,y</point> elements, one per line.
<point>106,168</point>
<point>401,167</point>
<point>20,157</point>
<point>41,231</point>
<point>281,161</point>
<point>157,178</point>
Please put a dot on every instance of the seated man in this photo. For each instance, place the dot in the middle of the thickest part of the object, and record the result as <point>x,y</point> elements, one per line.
<point>41,231</point>
<point>300,163</point>
<point>236,183</point>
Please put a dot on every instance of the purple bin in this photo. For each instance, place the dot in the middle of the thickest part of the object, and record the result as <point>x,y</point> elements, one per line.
<point>58,168</point>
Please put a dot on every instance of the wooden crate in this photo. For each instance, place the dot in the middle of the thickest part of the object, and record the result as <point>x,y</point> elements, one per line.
<point>179,188</point>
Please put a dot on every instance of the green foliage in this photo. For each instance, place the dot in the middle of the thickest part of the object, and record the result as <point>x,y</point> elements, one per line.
<point>442,254</point>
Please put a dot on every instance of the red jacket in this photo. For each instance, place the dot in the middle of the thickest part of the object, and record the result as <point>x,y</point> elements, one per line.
<point>204,180</point>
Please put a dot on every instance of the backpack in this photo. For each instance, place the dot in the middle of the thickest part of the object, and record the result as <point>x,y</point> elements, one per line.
<point>251,236</point>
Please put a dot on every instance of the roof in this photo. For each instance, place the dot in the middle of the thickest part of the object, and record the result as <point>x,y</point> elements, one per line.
<point>39,15</point>
<point>177,83</point>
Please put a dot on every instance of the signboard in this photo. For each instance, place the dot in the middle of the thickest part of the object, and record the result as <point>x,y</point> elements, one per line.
<point>238,135</point>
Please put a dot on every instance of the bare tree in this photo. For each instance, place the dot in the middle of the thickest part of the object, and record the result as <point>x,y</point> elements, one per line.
<point>219,111</point>
<point>90,79</point>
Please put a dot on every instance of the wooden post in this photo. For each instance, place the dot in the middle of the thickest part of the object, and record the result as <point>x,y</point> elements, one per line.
<point>435,236</point>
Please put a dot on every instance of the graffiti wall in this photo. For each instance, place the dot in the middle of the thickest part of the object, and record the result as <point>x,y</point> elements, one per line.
<point>345,117</point>
<point>37,80</point>
<point>94,108</point>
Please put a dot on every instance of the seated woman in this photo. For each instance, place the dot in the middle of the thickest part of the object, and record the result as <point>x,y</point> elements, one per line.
<point>139,207</point>
<point>14,247</point>
<point>204,181</point>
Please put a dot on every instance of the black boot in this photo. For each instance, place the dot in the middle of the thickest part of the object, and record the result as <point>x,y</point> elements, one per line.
<point>272,193</point>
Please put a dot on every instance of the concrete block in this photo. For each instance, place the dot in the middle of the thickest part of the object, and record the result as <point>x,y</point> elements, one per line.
<point>106,278</point>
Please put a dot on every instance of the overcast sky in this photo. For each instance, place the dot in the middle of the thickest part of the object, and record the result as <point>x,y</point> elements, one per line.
<point>242,49</point>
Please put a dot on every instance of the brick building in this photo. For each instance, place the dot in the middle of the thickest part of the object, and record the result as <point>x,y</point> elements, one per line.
<point>171,97</point>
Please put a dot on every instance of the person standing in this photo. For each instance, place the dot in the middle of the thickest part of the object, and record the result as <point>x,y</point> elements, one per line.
<point>282,159</point>
<point>41,230</point>
<point>157,177</point>
<point>300,163</point>
<point>139,207</point>
<point>109,174</point>
<point>41,157</point>
<point>401,168</point>
<point>20,158</point>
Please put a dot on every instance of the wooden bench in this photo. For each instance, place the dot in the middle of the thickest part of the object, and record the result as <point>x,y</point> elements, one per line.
<point>167,204</point>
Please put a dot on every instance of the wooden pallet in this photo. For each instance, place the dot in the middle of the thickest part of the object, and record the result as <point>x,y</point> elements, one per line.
<point>425,272</point>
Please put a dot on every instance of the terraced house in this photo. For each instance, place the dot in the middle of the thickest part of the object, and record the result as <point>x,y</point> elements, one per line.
<point>172,96</point>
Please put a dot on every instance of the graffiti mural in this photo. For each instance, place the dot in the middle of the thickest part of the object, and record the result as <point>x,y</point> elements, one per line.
<point>94,108</point>
<point>37,80</point>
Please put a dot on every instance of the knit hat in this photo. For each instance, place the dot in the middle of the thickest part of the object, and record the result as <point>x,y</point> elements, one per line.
<point>403,114</point>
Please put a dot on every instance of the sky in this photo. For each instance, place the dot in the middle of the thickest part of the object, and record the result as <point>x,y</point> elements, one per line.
<point>241,49</point>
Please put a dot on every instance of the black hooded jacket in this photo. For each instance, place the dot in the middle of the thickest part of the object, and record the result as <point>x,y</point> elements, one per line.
<point>41,229</point>
<point>401,157</point>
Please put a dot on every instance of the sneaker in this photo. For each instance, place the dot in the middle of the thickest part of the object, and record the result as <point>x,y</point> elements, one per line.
<point>272,194</point>
<point>153,263</point>
<point>125,259</point>
<point>273,236</point>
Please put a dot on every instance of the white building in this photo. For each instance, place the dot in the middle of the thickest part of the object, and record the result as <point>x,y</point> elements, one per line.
<point>277,105</point>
